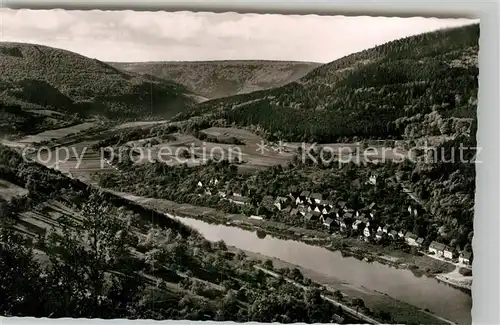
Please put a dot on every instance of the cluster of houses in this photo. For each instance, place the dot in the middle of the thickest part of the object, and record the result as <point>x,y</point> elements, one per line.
<point>235,197</point>
<point>314,207</point>
<point>441,250</point>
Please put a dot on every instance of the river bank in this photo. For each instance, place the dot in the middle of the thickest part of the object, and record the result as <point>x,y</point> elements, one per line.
<point>419,264</point>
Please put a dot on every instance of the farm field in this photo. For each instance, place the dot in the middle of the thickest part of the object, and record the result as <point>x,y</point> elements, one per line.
<point>56,134</point>
<point>128,125</point>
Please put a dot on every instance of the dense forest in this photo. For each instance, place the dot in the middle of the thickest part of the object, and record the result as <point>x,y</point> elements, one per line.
<point>423,85</point>
<point>36,79</point>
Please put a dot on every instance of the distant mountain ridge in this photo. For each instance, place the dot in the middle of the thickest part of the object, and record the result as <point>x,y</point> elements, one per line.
<point>216,79</point>
<point>36,77</point>
<point>423,85</point>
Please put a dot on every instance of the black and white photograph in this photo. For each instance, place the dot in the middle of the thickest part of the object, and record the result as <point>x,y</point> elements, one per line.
<point>237,167</point>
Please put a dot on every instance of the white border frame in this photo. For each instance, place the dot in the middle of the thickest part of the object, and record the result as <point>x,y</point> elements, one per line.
<point>486,284</point>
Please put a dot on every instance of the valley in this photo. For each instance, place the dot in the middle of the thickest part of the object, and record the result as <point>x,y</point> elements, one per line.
<point>268,191</point>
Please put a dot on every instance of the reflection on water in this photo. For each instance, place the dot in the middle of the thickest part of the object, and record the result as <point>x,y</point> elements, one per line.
<point>424,292</point>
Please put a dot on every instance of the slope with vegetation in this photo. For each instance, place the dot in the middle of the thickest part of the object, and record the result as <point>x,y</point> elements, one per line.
<point>105,257</point>
<point>42,87</point>
<point>215,79</point>
<point>417,86</point>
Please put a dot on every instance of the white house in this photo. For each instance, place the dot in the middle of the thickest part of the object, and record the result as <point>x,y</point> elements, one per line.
<point>437,248</point>
<point>401,233</point>
<point>356,224</point>
<point>465,258</point>
<point>372,180</point>
<point>448,252</point>
<point>200,184</point>
<point>328,222</point>
<point>256,217</point>
<point>367,232</point>
<point>411,239</point>
<point>316,198</point>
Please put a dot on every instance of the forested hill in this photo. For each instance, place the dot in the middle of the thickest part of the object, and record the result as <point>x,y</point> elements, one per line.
<point>417,86</point>
<point>40,78</point>
<point>215,79</point>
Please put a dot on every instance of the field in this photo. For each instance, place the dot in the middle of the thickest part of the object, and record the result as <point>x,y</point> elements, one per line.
<point>56,134</point>
<point>128,125</point>
<point>8,190</point>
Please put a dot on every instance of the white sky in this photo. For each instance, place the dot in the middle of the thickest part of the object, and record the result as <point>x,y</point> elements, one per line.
<point>187,36</point>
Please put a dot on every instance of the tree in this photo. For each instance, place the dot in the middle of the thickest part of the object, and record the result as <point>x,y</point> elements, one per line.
<point>21,284</point>
<point>92,270</point>
<point>338,295</point>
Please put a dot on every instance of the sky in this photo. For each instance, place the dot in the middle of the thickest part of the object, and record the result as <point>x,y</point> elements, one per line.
<point>128,36</point>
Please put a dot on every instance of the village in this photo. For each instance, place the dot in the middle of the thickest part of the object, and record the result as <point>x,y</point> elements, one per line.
<point>335,216</point>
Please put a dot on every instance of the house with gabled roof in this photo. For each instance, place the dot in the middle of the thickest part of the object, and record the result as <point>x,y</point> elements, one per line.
<point>448,252</point>
<point>336,212</point>
<point>386,229</point>
<point>316,198</point>
<point>304,195</point>
<point>437,248</point>
<point>379,235</point>
<point>465,258</point>
<point>357,224</point>
<point>328,222</point>
<point>294,212</point>
<point>312,216</point>
<point>393,234</point>
<point>420,242</point>
<point>240,200</point>
<point>342,205</point>
<point>326,209</point>
<point>200,184</point>
<point>411,238</point>
<point>368,231</point>
<point>402,233</point>
<point>327,203</point>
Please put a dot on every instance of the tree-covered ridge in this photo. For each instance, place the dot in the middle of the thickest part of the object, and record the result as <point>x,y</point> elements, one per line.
<point>215,79</point>
<point>417,86</point>
<point>36,77</point>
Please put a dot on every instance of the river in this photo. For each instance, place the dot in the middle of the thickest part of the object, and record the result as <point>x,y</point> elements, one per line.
<point>424,292</point>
